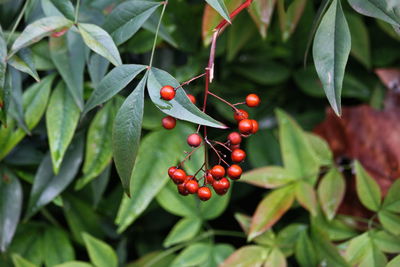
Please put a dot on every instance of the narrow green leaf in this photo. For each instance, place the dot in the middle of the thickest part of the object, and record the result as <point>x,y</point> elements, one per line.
<point>385,241</point>
<point>57,247</point>
<point>116,80</point>
<point>74,264</point>
<point>331,191</point>
<point>100,42</point>
<point>392,199</point>
<point>381,9</point>
<point>23,61</point>
<point>180,107</point>
<point>127,18</point>
<point>193,255</point>
<point>360,44</point>
<point>98,143</point>
<point>290,17</point>
<point>267,177</point>
<point>218,254</point>
<point>220,7</point>
<point>287,237</point>
<point>184,230</point>
<point>62,118</point>
<point>151,25</point>
<point>5,98</point>
<point>11,196</point>
<point>247,256</point>
<point>305,251</point>
<point>390,221</point>
<point>306,196</point>
<point>275,259</point>
<point>298,156</point>
<point>100,253</point>
<point>261,12</point>
<point>99,185</point>
<point>16,109</point>
<point>59,8</point>
<point>3,67</point>
<point>331,50</point>
<point>335,229</point>
<point>270,210</point>
<point>21,262</point>
<point>321,149</point>
<point>126,134</point>
<point>35,31</point>
<point>368,190</point>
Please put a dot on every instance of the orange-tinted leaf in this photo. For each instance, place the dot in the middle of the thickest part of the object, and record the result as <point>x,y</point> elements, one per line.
<point>261,12</point>
<point>247,256</point>
<point>276,259</point>
<point>389,77</point>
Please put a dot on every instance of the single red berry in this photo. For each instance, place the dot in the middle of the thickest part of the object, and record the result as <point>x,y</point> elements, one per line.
<point>241,114</point>
<point>194,140</point>
<point>59,33</point>
<point>182,190</point>
<point>221,186</point>
<point>168,122</point>
<point>167,92</point>
<point>238,155</point>
<point>252,100</point>
<point>179,176</point>
<point>192,186</point>
<point>234,172</point>
<point>245,126</point>
<point>204,193</point>
<point>234,138</point>
<point>218,171</point>
<point>171,171</point>
<point>209,177</point>
<point>192,98</point>
<point>255,126</point>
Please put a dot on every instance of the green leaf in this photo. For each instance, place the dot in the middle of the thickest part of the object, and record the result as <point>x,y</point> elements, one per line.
<point>267,177</point>
<point>270,210</point>
<point>47,185</point>
<point>116,80</point>
<point>331,50</point>
<point>220,7</point>
<point>321,149</point>
<point>360,45</point>
<point>275,259</point>
<point>385,241</point>
<point>264,73</point>
<point>21,262</point>
<point>23,61</point>
<point>11,196</point>
<point>381,9</point>
<point>193,255</point>
<point>335,229</point>
<point>97,68</point>
<point>5,98</point>
<point>3,65</point>
<point>297,153</point>
<point>368,190</point>
<point>247,256</point>
<point>306,196</point>
<point>184,230</point>
<point>34,103</point>
<point>331,190</point>
<point>35,31</point>
<point>288,19</point>
<point>62,118</point>
<point>68,55</point>
<point>262,157</point>
<point>261,12</point>
<point>394,262</point>
<point>126,134</point>
<point>357,249</point>
<point>16,109</point>
<point>392,199</point>
<point>57,247</point>
<point>127,18</point>
<point>59,8</point>
<point>305,251</point>
<point>390,221</point>
<point>180,107</point>
<point>287,237</point>
<point>100,42</point>
<point>218,254</point>
<point>100,253</point>
<point>239,35</point>
<point>98,153</point>
<point>74,264</point>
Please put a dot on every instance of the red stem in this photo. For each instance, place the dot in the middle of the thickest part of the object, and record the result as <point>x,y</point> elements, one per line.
<point>239,9</point>
<point>191,80</point>
<point>223,100</point>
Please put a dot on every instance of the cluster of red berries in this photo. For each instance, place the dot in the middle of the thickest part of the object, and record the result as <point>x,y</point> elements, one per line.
<point>214,177</point>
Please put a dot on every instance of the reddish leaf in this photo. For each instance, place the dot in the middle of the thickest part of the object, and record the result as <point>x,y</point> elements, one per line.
<point>247,256</point>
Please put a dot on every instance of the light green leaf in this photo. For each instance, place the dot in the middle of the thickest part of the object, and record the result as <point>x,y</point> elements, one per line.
<point>193,255</point>
<point>100,42</point>
<point>23,61</point>
<point>74,264</point>
<point>57,247</point>
<point>321,149</point>
<point>100,253</point>
<point>390,221</point>
<point>368,190</point>
<point>392,199</point>
<point>40,28</point>
<point>268,177</point>
<point>387,10</point>
<point>21,262</point>
<point>220,7</point>
<point>247,256</point>
<point>385,241</point>
<point>394,262</point>
<point>331,50</point>
<point>218,254</point>
<point>331,191</point>
<point>184,230</point>
<point>306,196</point>
<point>357,249</point>
<point>275,259</point>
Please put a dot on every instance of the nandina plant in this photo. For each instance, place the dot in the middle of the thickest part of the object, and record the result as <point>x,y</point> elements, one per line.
<point>102,101</point>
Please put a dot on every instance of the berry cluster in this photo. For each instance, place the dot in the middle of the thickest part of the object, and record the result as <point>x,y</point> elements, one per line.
<point>214,177</point>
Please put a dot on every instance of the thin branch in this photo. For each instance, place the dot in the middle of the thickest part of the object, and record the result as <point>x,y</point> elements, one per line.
<point>155,37</point>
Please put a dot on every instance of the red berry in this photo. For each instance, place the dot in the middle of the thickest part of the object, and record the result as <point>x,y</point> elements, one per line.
<point>182,190</point>
<point>241,114</point>
<point>168,122</point>
<point>234,138</point>
<point>218,171</point>
<point>255,126</point>
<point>234,172</point>
<point>245,126</point>
<point>238,155</point>
<point>204,193</point>
<point>234,146</point>
<point>179,176</point>
<point>209,177</point>
<point>192,98</point>
<point>171,171</point>
<point>167,92</point>
<point>221,186</point>
<point>252,100</point>
<point>192,186</point>
<point>194,140</point>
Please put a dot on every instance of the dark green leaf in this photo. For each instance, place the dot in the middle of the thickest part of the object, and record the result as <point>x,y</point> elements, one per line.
<point>3,67</point>
<point>100,253</point>
<point>151,25</point>
<point>247,256</point>
<point>261,12</point>
<point>58,8</point>
<point>10,207</point>
<point>5,98</point>
<point>23,61</point>
<point>99,185</point>
<point>360,46</point>
<point>21,262</point>
<point>57,247</point>
<point>180,107</point>
<point>97,68</point>
<point>288,19</point>
<point>193,255</point>
<point>126,134</point>
<point>305,251</point>
<point>100,42</point>
<point>331,50</point>
<point>386,10</point>
<point>112,83</point>
<point>262,157</point>
<point>220,7</point>
<point>368,190</point>
<point>16,109</point>
<point>287,237</point>
<point>267,177</point>
<point>331,191</point>
<point>184,230</point>
<point>265,73</point>
<point>127,18</point>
